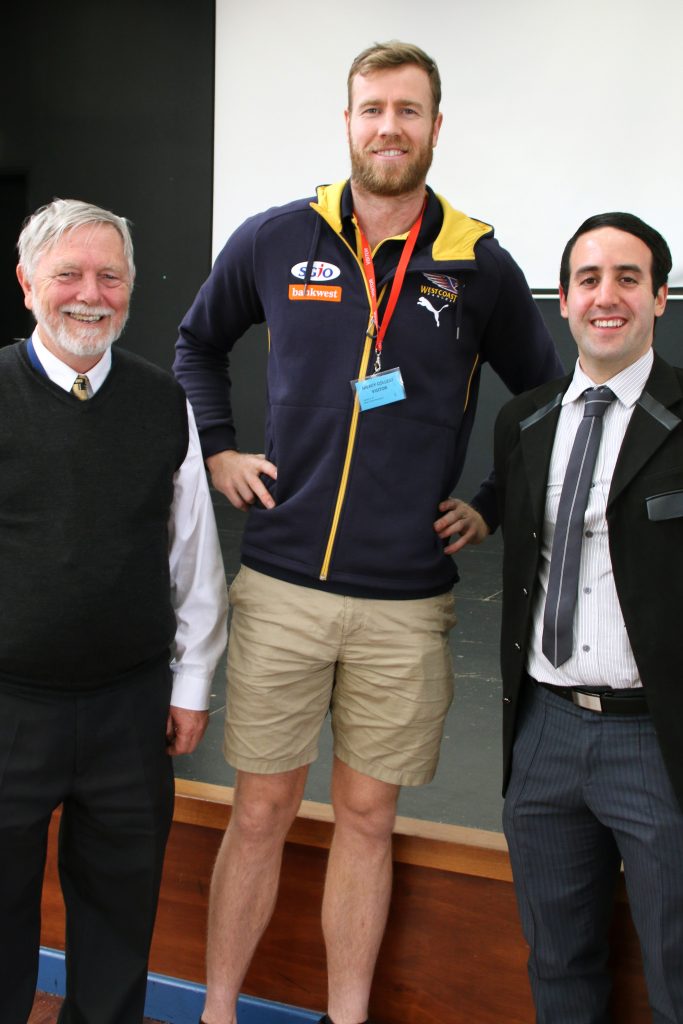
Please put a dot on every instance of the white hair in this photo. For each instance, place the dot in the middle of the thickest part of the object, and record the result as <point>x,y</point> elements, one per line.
<point>47,225</point>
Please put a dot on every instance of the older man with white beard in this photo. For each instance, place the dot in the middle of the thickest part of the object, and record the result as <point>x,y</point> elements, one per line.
<point>113,604</point>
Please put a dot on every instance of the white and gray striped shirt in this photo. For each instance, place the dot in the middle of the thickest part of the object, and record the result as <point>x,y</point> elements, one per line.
<point>602,654</point>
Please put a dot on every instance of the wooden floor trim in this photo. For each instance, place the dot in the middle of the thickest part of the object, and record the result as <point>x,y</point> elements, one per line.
<point>453,848</point>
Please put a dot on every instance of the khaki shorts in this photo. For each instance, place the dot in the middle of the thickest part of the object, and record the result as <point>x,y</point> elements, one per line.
<point>383,669</point>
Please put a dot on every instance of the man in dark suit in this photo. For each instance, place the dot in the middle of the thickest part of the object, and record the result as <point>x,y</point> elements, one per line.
<point>591,660</point>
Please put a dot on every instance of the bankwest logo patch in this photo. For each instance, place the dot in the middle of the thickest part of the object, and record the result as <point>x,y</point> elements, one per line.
<point>315,292</point>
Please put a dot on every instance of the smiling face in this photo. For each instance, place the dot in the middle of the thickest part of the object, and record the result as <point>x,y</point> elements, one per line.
<point>79,293</point>
<point>391,130</point>
<point>609,303</point>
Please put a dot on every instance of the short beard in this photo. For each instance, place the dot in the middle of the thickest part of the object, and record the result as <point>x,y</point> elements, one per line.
<point>79,340</point>
<point>382,182</point>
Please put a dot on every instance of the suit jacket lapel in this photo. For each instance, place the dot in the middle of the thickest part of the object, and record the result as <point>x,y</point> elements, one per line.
<point>650,426</point>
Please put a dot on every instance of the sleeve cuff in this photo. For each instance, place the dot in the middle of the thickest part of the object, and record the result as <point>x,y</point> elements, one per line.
<point>190,691</point>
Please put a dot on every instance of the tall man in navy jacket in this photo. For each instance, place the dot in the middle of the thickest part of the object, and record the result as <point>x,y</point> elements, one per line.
<point>593,738</point>
<point>382,303</point>
<point>113,602</point>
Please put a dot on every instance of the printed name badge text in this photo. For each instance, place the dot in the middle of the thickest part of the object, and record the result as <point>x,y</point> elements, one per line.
<point>380,389</point>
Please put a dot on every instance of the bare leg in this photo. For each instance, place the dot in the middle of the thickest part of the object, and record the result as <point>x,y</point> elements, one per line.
<point>245,882</point>
<point>357,888</point>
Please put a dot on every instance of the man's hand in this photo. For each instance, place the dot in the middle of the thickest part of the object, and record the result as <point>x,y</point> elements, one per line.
<point>237,476</point>
<point>460,518</point>
<point>184,729</point>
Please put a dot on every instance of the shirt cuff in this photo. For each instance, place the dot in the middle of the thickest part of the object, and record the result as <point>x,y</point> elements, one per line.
<point>190,690</point>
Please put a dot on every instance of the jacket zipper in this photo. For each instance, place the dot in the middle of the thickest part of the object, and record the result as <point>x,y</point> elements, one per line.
<point>353,429</point>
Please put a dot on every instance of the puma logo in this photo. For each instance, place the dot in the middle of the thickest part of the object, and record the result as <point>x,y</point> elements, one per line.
<point>427,305</point>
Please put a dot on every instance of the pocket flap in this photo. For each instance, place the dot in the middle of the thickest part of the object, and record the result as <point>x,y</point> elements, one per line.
<point>665,506</point>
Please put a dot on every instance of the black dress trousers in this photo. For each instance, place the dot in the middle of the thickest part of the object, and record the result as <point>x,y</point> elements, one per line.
<point>102,755</point>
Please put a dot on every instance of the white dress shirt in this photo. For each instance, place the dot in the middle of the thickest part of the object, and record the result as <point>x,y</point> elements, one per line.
<point>602,654</point>
<point>198,589</point>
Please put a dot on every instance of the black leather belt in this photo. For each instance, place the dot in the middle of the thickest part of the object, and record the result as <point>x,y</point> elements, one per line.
<point>605,702</point>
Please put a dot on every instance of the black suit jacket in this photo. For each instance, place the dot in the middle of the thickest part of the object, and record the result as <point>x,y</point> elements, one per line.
<point>645,525</point>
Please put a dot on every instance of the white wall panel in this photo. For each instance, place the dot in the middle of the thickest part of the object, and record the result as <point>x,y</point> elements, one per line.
<point>553,110</point>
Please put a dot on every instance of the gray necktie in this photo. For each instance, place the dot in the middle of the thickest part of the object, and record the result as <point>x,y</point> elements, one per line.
<point>565,558</point>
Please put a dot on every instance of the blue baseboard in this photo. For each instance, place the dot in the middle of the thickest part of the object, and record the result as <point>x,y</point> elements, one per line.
<point>175,1001</point>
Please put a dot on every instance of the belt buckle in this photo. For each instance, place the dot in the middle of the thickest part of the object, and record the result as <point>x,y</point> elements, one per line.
<point>590,701</point>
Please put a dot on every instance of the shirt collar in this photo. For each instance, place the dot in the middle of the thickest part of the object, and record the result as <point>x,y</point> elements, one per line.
<point>63,375</point>
<point>627,385</point>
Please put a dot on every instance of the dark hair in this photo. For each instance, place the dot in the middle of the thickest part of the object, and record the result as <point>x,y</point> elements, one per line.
<point>661,256</point>
<point>395,54</point>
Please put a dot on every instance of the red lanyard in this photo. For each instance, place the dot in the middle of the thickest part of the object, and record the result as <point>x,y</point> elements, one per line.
<point>398,277</point>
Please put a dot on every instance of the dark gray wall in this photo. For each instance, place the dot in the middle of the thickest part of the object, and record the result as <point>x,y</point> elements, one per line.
<point>114,104</point>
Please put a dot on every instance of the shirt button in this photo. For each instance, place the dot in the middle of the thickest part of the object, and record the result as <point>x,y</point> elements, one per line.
<point>525,591</point>
<point>589,533</point>
<point>585,647</point>
<point>587,590</point>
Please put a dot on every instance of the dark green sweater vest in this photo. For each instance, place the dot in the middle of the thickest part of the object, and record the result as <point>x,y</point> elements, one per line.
<point>85,495</point>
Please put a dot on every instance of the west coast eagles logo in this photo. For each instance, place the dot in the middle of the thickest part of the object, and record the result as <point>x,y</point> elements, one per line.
<point>438,295</point>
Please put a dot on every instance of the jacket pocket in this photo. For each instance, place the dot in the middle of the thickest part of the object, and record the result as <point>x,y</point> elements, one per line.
<point>665,506</point>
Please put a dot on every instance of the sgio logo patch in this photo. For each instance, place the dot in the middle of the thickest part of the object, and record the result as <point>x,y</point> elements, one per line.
<point>320,271</point>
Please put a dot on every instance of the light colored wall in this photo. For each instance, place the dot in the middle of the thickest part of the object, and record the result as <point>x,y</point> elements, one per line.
<point>553,110</point>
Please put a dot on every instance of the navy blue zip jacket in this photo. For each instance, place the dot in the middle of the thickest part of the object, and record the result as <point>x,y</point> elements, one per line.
<point>357,492</point>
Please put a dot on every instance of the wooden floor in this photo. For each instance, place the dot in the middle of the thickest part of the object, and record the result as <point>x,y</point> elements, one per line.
<point>45,1009</point>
